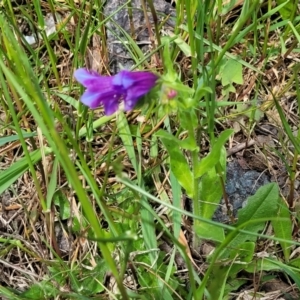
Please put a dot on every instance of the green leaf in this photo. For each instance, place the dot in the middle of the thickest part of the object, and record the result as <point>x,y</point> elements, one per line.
<point>262,205</point>
<point>287,10</point>
<point>241,256</point>
<point>209,232</point>
<point>7,139</point>
<point>283,227</point>
<point>213,157</point>
<point>295,263</point>
<point>244,253</point>
<point>44,290</point>
<point>184,47</point>
<point>210,190</point>
<point>231,73</point>
<point>261,264</point>
<point>178,163</point>
<point>202,91</point>
<point>126,136</point>
<point>6,293</point>
<point>10,175</point>
<point>63,203</point>
<point>189,121</point>
<point>233,285</point>
<point>92,280</point>
<point>52,184</point>
<point>70,100</point>
<point>217,283</point>
<point>292,272</point>
<point>168,63</point>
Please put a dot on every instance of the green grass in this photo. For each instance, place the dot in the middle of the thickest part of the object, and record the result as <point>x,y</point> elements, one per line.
<point>97,205</point>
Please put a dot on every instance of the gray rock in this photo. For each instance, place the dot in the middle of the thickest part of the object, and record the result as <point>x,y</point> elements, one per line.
<point>119,25</point>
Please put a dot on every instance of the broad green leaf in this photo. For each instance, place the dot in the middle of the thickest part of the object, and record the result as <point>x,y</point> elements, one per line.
<point>176,195</point>
<point>244,253</point>
<point>40,291</point>
<point>261,264</point>
<point>178,163</point>
<point>218,281</point>
<point>201,92</point>
<point>209,232</point>
<point>231,73</point>
<point>92,279</point>
<point>283,227</point>
<point>286,11</point>
<point>210,189</point>
<point>167,136</point>
<point>154,147</point>
<point>262,205</point>
<point>210,193</point>
<point>188,144</point>
<point>96,124</point>
<point>168,64</point>
<point>295,263</point>
<point>241,257</point>
<point>234,285</point>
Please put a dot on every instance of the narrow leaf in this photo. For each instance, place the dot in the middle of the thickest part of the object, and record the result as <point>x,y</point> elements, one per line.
<point>283,227</point>
<point>213,157</point>
<point>126,136</point>
<point>179,165</point>
<point>10,175</point>
<point>7,139</point>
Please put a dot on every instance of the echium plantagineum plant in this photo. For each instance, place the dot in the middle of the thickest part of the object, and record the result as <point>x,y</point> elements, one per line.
<point>128,87</point>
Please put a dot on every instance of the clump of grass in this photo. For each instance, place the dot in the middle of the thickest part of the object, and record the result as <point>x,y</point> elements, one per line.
<point>95,205</point>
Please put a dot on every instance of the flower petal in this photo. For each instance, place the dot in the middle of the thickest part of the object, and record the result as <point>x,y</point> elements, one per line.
<point>94,99</point>
<point>142,76</point>
<point>86,78</point>
<point>138,90</point>
<point>111,107</point>
<point>124,79</point>
<point>91,99</point>
<point>135,92</point>
<point>93,81</point>
<point>135,85</point>
<point>128,78</point>
<point>130,104</point>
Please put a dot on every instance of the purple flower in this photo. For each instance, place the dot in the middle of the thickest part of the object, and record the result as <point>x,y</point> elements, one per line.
<point>109,91</point>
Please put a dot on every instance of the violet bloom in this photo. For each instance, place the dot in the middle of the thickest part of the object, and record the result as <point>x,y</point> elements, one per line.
<point>109,91</point>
